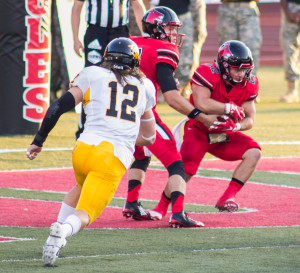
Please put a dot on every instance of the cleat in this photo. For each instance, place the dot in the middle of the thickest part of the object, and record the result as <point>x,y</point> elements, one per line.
<point>181,219</point>
<point>64,243</point>
<point>53,245</point>
<point>135,211</point>
<point>230,205</point>
<point>155,215</point>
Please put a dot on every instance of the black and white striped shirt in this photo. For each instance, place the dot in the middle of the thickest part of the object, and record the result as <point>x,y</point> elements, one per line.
<point>107,13</point>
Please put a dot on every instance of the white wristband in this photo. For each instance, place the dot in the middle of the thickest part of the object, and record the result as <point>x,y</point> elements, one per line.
<point>238,127</point>
<point>149,138</point>
<point>147,119</point>
<point>227,108</point>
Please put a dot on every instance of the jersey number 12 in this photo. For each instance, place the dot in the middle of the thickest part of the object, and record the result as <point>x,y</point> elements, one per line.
<point>112,112</point>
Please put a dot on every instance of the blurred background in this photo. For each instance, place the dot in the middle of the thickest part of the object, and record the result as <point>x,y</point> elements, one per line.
<point>271,53</point>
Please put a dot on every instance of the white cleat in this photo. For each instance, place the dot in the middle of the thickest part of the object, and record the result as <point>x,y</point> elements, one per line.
<point>155,216</point>
<point>53,245</point>
<point>64,243</point>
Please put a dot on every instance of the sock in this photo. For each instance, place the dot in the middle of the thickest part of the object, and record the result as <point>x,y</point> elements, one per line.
<point>234,187</point>
<point>134,187</point>
<point>65,211</point>
<point>163,205</point>
<point>72,225</point>
<point>177,199</point>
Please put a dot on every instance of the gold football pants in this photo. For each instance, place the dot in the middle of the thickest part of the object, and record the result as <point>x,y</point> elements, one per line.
<point>98,173</point>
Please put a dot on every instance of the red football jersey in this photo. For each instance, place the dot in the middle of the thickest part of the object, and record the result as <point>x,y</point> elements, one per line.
<point>208,75</point>
<point>153,51</point>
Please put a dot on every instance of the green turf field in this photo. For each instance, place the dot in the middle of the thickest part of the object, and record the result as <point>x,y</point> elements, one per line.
<point>211,250</point>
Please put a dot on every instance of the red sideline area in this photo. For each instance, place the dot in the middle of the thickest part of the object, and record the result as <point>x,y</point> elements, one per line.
<point>284,164</point>
<point>273,205</point>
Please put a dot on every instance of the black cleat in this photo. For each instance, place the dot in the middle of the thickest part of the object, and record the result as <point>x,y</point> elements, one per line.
<point>181,219</point>
<point>136,211</point>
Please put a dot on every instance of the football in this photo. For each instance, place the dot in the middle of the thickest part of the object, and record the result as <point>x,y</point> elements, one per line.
<point>223,118</point>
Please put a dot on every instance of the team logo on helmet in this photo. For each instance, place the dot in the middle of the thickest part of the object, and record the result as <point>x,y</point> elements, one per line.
<point>134,49</point>
<point>225,51</point>
<point>153,16</point>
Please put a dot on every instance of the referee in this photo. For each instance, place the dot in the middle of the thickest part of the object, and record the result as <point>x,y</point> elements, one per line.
<point>106,20</point>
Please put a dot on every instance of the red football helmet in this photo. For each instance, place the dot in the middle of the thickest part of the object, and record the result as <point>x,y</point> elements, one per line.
<point>155,22</point>
<point>234,54</point>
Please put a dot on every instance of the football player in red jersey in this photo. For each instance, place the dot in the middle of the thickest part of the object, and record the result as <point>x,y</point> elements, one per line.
<point>227,89</point>
<point>159,59</point>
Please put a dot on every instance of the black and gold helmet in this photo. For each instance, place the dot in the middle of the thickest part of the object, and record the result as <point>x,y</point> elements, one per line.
<point>123,53</point>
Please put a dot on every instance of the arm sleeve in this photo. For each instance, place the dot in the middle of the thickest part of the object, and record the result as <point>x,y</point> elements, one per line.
<point>165,78</point>
<point>64,104</point>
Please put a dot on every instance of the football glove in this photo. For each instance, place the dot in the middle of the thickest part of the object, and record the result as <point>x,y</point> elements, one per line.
<point>226,125</point>
<point>236,112</point>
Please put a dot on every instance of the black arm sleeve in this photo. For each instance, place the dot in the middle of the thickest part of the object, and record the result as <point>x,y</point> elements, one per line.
<point>64,104</point>
<point>165,77</point>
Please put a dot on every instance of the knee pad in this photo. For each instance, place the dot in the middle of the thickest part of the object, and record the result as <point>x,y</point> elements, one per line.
<point>176,167</point>
<point>141,164</point>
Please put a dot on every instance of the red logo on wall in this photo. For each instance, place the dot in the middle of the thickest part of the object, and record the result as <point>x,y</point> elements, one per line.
<point>37,60</point>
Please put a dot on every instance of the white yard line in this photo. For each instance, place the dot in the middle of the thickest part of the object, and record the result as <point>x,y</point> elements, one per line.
<point>158,252</point>
<point>14,239</point>
<point>22,150</point>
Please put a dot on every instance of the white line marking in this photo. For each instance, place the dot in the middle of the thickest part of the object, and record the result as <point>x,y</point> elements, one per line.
<point>36,170</point>
<point>15,239</point>
<point>21,150</point>
<point>159,252</point>
<point>296,142</point>
<point>269,171</point>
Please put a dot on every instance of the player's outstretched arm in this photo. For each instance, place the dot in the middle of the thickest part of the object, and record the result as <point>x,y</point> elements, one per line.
<point>171,95</point>
<point>64,104</point>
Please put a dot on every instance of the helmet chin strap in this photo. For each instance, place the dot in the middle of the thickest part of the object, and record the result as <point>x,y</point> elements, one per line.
<point>232,82</point>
